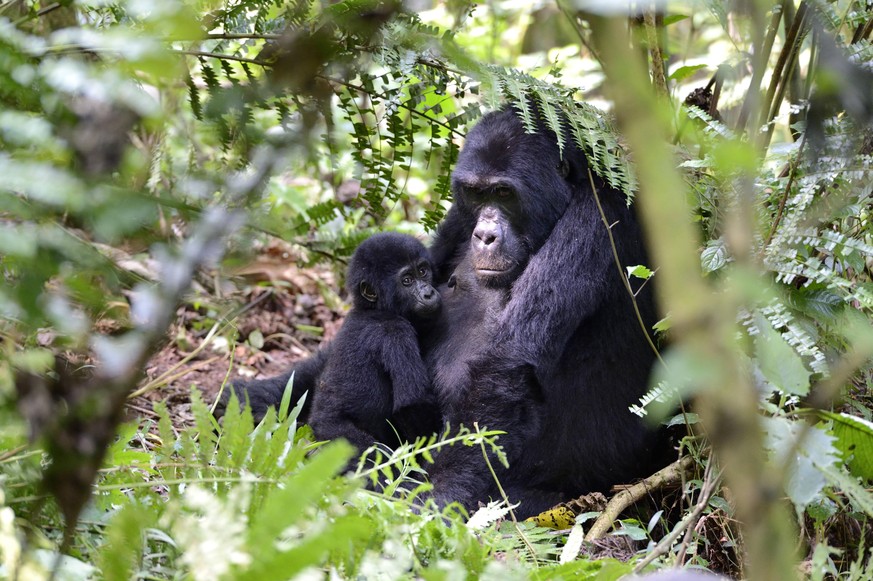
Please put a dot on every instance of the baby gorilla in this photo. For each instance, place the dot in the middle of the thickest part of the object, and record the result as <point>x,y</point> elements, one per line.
<point>375,380</point>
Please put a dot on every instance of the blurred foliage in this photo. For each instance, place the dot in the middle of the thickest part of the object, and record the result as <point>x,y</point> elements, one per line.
<point>135,135</point>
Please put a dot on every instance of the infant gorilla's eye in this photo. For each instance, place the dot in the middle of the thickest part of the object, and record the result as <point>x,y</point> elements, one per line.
<point>406,280</point>
<point>502,192</point>
<point>422,270</point>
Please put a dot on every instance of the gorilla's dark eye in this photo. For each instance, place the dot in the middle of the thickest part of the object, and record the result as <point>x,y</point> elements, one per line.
<point>406,280</point>
<point>502,192</point>
<point>422,269</point>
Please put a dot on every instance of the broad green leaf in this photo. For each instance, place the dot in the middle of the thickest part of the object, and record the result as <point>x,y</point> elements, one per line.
<point>684,72</point>
<point>804,480</point>
<point>714,256</point>
<point>857,493</point>
<point>674,18</point>
<point>639,271</point>
<point>855,439</point>
<point>778,361</point>
<point>818,303</point>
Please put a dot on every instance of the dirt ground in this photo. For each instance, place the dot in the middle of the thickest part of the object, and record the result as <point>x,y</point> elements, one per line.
<point>268,314</point>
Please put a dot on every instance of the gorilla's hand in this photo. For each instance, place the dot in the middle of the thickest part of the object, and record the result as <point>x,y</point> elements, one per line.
<point>421,418</point>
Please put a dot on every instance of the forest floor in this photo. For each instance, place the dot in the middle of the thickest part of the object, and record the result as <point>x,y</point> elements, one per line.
<point>268,314</point>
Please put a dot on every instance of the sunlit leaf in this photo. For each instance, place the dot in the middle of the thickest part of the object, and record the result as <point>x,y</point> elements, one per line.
<point>855,440</point>
<point>778,361</point>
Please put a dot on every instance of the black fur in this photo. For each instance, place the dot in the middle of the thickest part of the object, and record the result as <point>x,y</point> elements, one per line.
<point>375,380</point>
<point>547,346</point>
<point>462,334</point>
<point>566,356</point>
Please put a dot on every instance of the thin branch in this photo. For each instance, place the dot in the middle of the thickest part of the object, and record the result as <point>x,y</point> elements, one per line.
<point>227,57</point>
<point>244,36</point>
<point>791,175</point>
<point>760,66</point>
<point>663,546</point>
<point>621,273</point>
<point>782,70</point>
<point>659,76</point>
<point>632,494</point>
<point>359,88</point>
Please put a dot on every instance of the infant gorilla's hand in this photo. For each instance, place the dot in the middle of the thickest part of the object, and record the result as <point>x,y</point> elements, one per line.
<point>421,418</point>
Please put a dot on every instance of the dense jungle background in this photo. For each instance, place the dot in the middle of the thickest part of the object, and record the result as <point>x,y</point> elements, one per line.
<point>182,183</point>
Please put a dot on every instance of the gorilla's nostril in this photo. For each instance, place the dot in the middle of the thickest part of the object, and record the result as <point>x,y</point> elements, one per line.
<point>486,234</point>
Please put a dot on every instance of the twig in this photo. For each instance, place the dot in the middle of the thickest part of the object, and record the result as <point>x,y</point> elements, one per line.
<point>659,76</point>
<point>413,110</point>
<point>165,376</point>
<point>669,475</point>
<point>165,379</point>
<point>791,175</point>
<point>11,453</point>
<point>664,544</point>
<point>758,71</point>
<point>686,541</point>
<point>627,285</point>
<point>782,71</point>
<point>243,36</point>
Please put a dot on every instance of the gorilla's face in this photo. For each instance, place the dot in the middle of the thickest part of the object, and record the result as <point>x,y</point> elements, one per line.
<point>510,187</point>
<point>393,272</point>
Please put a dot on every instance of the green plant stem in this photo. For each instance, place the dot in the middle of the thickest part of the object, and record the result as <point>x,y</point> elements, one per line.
<point>759,67</point>
<point>792,173</point>
<point>659,75</point>
<point>705,321</point>
<point>782,72</point>
<point>505,498</point>
<point>622,274</point>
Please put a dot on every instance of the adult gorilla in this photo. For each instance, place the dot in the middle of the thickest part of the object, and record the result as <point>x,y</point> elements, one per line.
<point>565,358</point>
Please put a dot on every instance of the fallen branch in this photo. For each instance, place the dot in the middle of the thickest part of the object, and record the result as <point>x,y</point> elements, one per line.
<point>666,476</point>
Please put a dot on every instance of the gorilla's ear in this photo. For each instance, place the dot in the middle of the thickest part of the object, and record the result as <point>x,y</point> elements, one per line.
<point>368,292</point>
<point>564,167</point>
<point>453,281</point>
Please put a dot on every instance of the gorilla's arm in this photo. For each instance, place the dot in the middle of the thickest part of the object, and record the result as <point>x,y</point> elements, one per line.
<point>450,243</point>
<point>415,411</point>
<point>402,360</point>
<point>265,393</point>
<point>563,284</point>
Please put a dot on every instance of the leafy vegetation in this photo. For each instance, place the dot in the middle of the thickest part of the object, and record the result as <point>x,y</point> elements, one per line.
<point>149,146</point>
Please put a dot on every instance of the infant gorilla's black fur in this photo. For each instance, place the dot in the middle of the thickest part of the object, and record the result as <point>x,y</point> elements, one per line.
<point>557,366</point>
<point>374,373</point>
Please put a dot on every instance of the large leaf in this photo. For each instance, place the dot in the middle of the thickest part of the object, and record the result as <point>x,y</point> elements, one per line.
<point>778,361</point>
<point>855,440</point>
<point>804,480</point>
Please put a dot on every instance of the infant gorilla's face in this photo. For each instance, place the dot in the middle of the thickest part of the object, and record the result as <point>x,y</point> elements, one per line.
<point>415,283</point>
